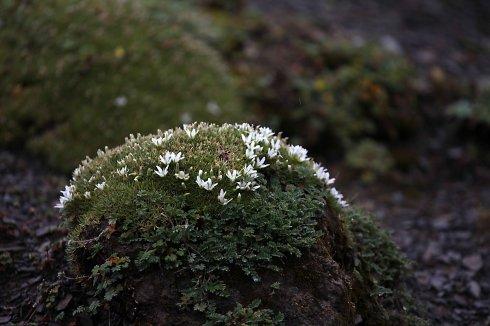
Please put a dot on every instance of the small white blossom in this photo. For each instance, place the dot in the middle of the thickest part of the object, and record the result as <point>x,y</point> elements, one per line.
<point>208,184</point>
<point>339,197</point>
<point>158,141</point>
<point>232,175</point>
<point>100,185</point>
<point>182,175</point>
<point>178,157</point>
<point>66,196</point>
<point>170,157</point>
<point>247,185</point>
<point>249,171</point>
<point>298,152</point>
<point>122,171</point>
<point>77,172</point>
<point>191,132</point>
<point>250,153</point>
<point>167,135</point>
<point>260,163</point>
<point>322,174</point>
<point>120,101</point>
<point>161,172</point>
<point>167,158</point>
<point>276,144</point>
<point>87,194</point>
<point>222,199</point>
<point>272,153</point>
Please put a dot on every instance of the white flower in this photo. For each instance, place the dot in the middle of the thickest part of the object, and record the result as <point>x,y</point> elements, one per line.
<point>182,175</point>
<point>100,185</point>
<point>66,196</point>
<point>339,197</point>
<point>178,157</point>
<point>266,132</point>
<point>120,101</point>
<point>298,152</point>
<point>167,135</point>
<point>122,171</point>
<point>170,157</point>
<point>247,185</point>
<point>158,141</point>
<point>87,194</point>
<point>322,174</point>
<point>250,153</point>
<point>249,171</point>
<point>77,172</point>
<point>191,132</point>
<point>208,184</point>
<point>260,163</point>
<point>222,199</point>
<point>276,144</point>
<point>167,158</point>
<point>272,153</point>
<point>232,175</point>
<point>161,172</point>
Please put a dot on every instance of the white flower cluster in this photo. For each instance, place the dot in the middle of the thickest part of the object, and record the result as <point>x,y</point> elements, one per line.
<point>167,159</point>
<point>190,131</point>
<point>170,157</point>
<point>298,152</point>
<point>262,149</point>
<point>158,141</point>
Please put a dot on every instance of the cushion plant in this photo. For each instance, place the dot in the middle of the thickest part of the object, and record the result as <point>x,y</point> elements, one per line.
<point>78,75</point>
<point>222,224</point>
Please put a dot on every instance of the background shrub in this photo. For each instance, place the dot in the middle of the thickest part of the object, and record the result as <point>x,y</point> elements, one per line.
<point>78,75</point>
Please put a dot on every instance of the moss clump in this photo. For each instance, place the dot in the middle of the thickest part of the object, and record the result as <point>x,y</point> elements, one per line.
<point>78,75</point>
<point>221,224</point>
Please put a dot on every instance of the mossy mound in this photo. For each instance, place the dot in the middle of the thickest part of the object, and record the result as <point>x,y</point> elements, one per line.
<point>78,75</point>
<point>225,224</point>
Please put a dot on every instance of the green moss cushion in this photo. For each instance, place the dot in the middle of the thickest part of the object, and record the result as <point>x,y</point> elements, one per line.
<point>78,75</point>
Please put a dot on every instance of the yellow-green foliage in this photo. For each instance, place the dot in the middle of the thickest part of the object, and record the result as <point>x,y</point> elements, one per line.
<point>78,75</point>
<point>196,201</point>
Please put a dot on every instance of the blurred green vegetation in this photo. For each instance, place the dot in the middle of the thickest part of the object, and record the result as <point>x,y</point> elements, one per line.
<point>80,75</point>
<point>330,95</point>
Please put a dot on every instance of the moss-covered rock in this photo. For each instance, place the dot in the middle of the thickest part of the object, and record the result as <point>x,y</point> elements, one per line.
<point>225,224</point>
<point>78,75</point>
